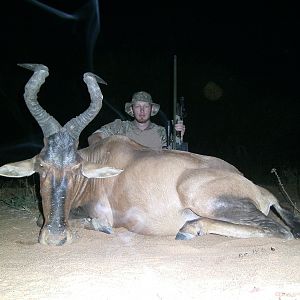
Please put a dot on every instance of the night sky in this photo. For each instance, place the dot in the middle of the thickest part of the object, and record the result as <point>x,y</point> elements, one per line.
<point>248,53</point>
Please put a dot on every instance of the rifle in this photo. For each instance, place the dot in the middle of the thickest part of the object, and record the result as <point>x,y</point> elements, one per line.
<point>177,143</point>
<point>174,138</point>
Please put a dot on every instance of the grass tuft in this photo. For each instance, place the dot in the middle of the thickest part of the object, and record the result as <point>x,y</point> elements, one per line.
<point>19,194</point>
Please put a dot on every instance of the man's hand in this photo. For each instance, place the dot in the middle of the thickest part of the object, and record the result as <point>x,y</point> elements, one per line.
<point>180,127</point>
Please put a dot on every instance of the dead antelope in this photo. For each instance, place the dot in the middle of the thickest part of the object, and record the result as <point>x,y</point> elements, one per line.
<point>119,183</point>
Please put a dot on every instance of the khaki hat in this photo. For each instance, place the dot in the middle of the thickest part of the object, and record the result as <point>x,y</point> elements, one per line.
<point>141,96</point>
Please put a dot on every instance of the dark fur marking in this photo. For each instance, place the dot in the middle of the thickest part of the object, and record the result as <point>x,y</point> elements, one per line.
<point>243,211</point>
<point>57,214</point>
<point>61,149</point>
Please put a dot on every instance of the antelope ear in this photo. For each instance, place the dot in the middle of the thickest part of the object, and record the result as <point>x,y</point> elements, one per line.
<point>18,169</point>
<point>93,170</point>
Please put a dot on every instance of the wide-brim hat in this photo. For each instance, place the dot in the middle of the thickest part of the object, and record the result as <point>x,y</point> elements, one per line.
<point>141,96</point>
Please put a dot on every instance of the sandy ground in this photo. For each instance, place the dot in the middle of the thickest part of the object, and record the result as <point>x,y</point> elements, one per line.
<point>130,266</point>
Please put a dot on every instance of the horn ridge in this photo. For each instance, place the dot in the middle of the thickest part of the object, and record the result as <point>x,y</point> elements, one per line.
<point>48,124</point>
<point>76,125</point>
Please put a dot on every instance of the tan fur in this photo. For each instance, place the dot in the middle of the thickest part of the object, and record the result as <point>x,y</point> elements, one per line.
<point>149,197</point>
<point>155,193</point>
<point>121,183</point>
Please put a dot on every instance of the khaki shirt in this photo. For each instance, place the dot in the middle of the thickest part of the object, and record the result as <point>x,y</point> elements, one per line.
<point>154,136</point>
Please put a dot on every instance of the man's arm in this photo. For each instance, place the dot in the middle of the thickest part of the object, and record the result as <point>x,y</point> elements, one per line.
<point>163,137</point>
<point>105,131</point>
<point>94,138</point>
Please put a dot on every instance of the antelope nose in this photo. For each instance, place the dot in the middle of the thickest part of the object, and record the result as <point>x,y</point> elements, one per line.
<point>54,238</point>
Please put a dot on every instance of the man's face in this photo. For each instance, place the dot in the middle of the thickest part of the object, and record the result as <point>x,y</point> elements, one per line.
<point>142,111</point>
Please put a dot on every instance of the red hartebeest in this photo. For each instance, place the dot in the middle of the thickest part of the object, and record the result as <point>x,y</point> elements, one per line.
<point>118,182</point>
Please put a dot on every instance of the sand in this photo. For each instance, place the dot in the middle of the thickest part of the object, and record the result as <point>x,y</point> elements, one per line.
<point>130,266</point>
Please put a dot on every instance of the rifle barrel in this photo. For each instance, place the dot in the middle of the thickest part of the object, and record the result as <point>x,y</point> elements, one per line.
<point>174,99</point>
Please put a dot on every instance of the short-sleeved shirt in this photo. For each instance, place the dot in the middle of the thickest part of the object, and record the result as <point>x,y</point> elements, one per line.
<point>154,136</point>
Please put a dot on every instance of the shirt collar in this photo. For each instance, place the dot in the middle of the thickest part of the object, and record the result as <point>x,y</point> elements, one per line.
<point>133,126</point>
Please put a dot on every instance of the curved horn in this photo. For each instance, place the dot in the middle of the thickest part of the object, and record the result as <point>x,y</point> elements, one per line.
<point>76,125</point>
<point>47,123</point>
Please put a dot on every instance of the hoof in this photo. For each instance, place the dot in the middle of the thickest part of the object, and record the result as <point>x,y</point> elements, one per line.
<point>99,227</point>
<point>184,236</point>
<point>94,224</point>
<point>106,229</point>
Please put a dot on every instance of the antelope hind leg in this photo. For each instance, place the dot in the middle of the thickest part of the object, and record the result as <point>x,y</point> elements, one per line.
<point>236,218</point>
<point>244,212</point>
<point>203,226</point>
